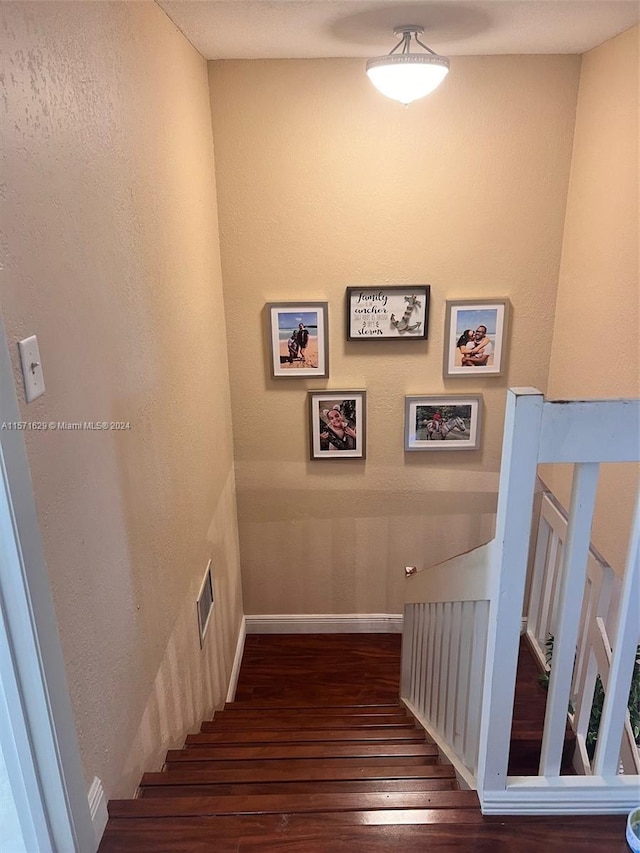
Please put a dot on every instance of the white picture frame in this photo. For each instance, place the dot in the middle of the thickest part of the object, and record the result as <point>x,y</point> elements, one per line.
<point>337,424</point>
<point>468,358</point>
<point>443,422</point>
<point>288,321</point>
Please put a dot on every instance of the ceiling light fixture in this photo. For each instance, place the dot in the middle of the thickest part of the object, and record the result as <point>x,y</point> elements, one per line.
<point>406,76</point>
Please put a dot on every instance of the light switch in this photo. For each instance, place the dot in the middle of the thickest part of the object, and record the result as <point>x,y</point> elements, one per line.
<point>31,368</point>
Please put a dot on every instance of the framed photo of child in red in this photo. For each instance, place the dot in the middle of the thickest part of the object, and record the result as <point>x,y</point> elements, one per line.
<point>446,422</point>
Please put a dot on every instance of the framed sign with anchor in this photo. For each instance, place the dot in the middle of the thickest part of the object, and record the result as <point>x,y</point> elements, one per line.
<point>400,312</point>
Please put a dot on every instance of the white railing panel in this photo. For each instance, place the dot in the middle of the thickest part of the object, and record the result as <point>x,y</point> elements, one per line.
<point>432,662</point>
<point>466,649</point>
<point>453,685</point>
<point>408,651</point>
<point>438,674</point>
<point>576,550</point>
<point>601,646</point>
<point>623,657</point>
<point>593,651</point>
<point>421,616</point>
<point>445,691</point>
<point>600,582</point>
<point>544,627</point>
<point>536,591</point>
<point>479,664</point>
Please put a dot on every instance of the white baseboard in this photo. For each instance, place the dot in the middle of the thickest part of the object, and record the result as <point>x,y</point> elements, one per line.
<point>98,809</point>
<point>336,623</point>
<point>237,661</point>
<point>562,795</point>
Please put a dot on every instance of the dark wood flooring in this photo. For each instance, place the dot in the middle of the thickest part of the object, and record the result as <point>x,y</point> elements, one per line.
<point>316,755</point>
<point>528,720</point>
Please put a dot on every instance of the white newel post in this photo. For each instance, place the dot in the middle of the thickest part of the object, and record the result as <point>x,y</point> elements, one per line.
<point>513,529</point>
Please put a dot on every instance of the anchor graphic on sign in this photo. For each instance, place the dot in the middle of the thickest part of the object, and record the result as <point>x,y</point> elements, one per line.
<point>403,325</point>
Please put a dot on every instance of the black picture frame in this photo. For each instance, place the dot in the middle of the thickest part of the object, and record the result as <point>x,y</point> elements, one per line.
<point>398,312</point>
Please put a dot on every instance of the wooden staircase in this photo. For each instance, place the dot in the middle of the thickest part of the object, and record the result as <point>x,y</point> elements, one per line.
<point>264,767</point>
<point>315,756</point>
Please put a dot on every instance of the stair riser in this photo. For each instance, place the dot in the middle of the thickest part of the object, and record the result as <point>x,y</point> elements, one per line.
<point>330,735</point>
<point>302,722</point>
<point>252,706</point>
<point>303,772</point>
<point>284,764</point>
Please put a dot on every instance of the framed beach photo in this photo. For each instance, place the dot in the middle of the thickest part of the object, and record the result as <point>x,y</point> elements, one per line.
<point>475,339</point>
<point>447,422</point>
<point>400,312</point>
<point>299,339</point>
<point>337,424</point>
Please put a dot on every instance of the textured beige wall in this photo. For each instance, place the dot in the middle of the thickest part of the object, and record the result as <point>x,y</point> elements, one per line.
<point>596,343</point>
<point>112,259</point>
<point>323,183</point>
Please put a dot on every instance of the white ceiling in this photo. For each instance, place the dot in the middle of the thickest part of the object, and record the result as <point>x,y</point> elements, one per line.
<point>288,29</point>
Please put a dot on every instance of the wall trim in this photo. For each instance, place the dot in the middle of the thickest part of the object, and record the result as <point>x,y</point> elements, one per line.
<point>446,751</point>
<point>237,661</point>
<point>98,808</point>
<point>562,795</point>
<point>325,623</point>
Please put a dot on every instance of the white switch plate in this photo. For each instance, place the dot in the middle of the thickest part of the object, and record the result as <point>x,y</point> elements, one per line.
<point>31,368</point>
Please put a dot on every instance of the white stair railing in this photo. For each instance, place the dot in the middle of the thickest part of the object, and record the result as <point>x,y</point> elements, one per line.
<point>584,433</point>
<point>593,652</point>
<point>444,644</point>
<point>444,692</point>
<point>463,620</point>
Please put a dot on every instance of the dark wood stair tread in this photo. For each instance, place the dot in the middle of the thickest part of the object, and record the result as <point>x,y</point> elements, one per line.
<point>392,761</point>
<point>330,786</point>
<point>352,751</point>
<point>202,760</point>
<point>295,803</point>
<point>324,749</point>
<point>307,736</point>
<point>301,771</point>
<point>295,823</point>
<point>413,831</point>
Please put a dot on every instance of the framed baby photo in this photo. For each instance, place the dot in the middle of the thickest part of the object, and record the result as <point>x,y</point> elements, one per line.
<point>475,339</point>
<point>446,422</point>
<point>337,424</point>
<point>399,312</point>
<point>299,342</point>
